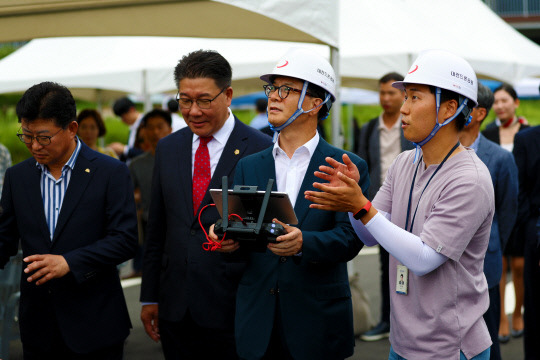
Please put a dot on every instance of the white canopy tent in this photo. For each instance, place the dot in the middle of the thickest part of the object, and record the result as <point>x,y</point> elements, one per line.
<point>97,68</point>
<point>528,87</point>
<point>375,38</point>
<point>316,22</point>
<point>379,37</point>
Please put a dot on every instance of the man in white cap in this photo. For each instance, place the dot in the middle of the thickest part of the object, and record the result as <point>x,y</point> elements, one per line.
<point>294,300</point>
<point>433,215</point>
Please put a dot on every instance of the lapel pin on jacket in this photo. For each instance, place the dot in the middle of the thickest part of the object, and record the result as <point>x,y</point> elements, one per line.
<point>236,152</point>
<point>87,170</point>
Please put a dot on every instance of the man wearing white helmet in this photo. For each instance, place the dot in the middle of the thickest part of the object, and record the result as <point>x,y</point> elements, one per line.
<point>433,215</point>
<point>294,300</point>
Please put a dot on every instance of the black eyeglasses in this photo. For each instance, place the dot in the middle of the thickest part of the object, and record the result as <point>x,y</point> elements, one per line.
<point>283,90</point>
<point>42,140</point>
<point>201,103</point>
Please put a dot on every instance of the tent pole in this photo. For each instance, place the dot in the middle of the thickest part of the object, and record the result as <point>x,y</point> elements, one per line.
<point>145,94</point>
<point>99,100</point>
<point>350,126</point>
<point>337,138</point>
<point>99,108</point>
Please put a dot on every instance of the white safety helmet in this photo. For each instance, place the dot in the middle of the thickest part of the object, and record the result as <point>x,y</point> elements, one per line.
<point>443,69</point>
<point>313,69</point>
<point>305,65</point>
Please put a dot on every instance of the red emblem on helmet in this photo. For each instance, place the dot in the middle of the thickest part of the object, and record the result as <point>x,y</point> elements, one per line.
<point>285,64</point>
<point>416,68</point>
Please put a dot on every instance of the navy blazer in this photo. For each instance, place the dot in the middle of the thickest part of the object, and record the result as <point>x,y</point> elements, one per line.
<point>314,294</point>
<point>96,230</point>
<point>527,155</point>
<point>177,273</point>
<point>369,148</point>
<point>503,170</point>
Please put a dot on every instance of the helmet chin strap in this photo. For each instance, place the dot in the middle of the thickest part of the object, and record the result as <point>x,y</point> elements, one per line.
<point>299,111</point>
<point>460,109</point>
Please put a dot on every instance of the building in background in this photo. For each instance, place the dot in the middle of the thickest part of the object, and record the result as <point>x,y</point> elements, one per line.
<point>523,15</point>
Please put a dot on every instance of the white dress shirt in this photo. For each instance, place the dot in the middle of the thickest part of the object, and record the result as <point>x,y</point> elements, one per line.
<point>216,145</point>
<point>133,133</point>
<point>389,144</point>
<point>290,172</point>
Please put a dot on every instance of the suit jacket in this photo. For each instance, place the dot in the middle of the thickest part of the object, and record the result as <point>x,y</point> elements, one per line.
<point>96,230</point>
<point>369,148</point>
<point>312,289</point>
<point>177,273</point>
<point>527,155</point>
<point>503,170</point>
<point>132,153</point>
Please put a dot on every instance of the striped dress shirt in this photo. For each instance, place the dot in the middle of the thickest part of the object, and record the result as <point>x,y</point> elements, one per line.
<point>53,191</point>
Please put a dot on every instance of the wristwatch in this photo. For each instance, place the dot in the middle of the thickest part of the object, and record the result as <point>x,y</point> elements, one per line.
<point>363,211</point>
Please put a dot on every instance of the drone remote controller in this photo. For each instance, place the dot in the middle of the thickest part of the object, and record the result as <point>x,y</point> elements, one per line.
<point>239,231</point>
<point>249,230</point>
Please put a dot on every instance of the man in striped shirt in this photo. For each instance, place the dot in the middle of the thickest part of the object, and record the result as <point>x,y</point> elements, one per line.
<point>73,210</point>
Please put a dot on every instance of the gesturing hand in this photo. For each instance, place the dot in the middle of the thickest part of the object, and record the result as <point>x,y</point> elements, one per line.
<point>341,192</point>
<point>347,198</point>
<point>329,173</point>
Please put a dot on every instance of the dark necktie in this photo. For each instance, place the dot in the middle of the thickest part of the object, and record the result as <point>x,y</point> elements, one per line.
<point>201,172</point>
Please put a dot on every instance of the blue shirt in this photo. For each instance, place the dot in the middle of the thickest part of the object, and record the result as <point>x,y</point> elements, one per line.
<point>53,191</point>
<point>260,121</point>
<point>474,145</point>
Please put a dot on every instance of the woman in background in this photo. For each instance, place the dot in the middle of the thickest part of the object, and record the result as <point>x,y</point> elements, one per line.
<point>92,127</point>
<point>507,123</point>
<point>502,131</point>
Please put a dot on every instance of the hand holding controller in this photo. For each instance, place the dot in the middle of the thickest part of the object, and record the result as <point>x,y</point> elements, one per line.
<point>272,231</point>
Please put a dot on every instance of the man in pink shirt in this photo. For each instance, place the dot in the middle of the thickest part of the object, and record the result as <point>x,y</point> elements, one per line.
<point>433,215</point>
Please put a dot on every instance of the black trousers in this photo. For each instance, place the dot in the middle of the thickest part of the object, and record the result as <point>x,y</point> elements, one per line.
<point>277,348</point>
<point>58,350</point>
<point>492,317</point>
<point>115,352</point>
<point>531,275</point>
<point>187,340</point>
<point>384,259</point>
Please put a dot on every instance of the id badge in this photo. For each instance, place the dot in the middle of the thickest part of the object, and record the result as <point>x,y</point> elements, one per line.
<point>402,280</point>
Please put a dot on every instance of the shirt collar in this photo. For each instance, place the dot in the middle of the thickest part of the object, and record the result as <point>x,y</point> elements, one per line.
<point>310,146</point>
<point>137,123</point>
<point>222,135</point>
<point>72,159</point>
<point>474,145</point>
<point>397,124</point>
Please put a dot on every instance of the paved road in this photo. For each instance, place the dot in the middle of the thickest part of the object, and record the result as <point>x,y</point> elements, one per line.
<point>140,347</point>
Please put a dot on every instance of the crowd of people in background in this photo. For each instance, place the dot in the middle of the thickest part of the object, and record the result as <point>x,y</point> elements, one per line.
<point>5,162</point>
<point>443,272</point>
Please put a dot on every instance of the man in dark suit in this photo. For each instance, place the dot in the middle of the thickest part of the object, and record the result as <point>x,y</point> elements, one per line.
<point>504,174</point>
<point>188,294</point>
<point>527,154</point>
<point>125,109</point>
<point>381,140</point>
<point>294,299</point>
<point>72,209</point>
